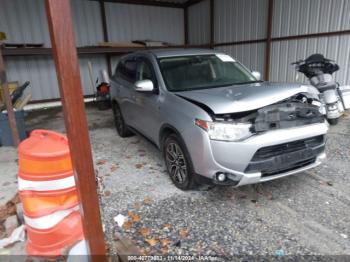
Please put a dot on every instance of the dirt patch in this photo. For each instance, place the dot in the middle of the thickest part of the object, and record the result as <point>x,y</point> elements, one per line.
<point>6,211</point>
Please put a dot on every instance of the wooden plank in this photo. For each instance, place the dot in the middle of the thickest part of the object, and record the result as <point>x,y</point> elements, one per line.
<point>125,247</point>
<point>88,50</point>
<point>68,74</point>
<point>8,102</point>
<point>268,40</point>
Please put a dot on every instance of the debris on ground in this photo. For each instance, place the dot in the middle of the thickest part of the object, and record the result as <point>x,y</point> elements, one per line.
<point>8,217</point>
<point>119,219</point>
<point>17,235</point>
<point>10,224</point>
<point>279,253</point>
<point>344,236</point>
<point>101,162</point>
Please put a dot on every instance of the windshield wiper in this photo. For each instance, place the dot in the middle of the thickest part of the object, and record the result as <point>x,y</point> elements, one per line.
<point>248,82</point>
<point>201,87</point>
<point>215,86</point>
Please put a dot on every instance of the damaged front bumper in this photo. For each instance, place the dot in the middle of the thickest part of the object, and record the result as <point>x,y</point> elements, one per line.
<point>257,158</point>
<point>258,177</point>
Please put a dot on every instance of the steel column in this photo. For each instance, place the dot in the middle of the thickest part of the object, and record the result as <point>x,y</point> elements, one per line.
<point>212,21</point>
<point>268,40</point>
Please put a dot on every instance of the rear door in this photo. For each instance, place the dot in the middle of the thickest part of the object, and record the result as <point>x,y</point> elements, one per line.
<point>126,78</point>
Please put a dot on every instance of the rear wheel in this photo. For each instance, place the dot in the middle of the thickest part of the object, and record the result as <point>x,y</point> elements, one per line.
<point>120,125</point>
<point>333,121</point>
<point>178,163</point>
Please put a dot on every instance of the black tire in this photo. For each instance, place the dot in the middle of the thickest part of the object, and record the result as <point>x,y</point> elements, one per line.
<point>333,121</point>
<point>120,126</point>
<point>178,163</point>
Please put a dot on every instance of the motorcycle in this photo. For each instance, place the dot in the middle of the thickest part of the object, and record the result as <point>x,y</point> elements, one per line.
<point>335,99</point>
<point>102,95</point>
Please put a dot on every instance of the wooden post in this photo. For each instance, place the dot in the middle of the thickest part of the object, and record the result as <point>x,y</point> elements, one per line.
<point>7,99</point>
<point>268,40</point>
<point>212,17</point>
<point>68,74</point>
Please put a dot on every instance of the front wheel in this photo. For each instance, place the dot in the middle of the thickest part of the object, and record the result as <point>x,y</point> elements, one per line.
<point>178,163</point>
<point>333,121</point>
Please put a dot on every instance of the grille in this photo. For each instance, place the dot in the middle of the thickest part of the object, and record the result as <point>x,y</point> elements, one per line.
<point>271,151</point>
<point>282,158</point>
<point>290,168</point>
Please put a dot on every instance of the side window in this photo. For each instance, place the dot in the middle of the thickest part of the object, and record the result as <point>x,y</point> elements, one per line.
<point>145,71</point>
<point>127,70</point>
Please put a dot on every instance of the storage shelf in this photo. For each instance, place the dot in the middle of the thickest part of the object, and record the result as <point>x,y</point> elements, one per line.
<point>85,50</point>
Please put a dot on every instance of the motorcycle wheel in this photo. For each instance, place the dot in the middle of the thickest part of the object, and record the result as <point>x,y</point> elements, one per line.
<point>333,121</point>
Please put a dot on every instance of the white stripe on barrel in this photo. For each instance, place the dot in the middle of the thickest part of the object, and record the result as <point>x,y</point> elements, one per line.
<point>57,184</point>
<point>49,221</point>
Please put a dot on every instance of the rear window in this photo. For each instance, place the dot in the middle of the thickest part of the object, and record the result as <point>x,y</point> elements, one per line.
<point>127,70</point>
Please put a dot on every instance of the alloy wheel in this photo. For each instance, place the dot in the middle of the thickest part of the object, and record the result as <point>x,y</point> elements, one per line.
<point>176,163</point>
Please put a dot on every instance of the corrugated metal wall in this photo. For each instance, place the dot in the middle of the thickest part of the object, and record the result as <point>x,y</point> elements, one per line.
<point>138,22</point>
<point>238,20</point>
<point>252,55</point>
<point>40,71</point>
<point>25,21</point>
<point>87,22</point>
<point>199,23</point>
<point>298,17</point>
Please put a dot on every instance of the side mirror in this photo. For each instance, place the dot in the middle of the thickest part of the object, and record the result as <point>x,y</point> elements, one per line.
<point>144,86</point>
<point>257,75</point>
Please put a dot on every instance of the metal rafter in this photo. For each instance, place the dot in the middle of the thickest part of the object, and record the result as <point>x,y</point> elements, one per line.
<point>146,2</point>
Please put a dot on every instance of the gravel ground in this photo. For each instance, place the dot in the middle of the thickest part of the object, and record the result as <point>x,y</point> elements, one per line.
<point>305,214</point>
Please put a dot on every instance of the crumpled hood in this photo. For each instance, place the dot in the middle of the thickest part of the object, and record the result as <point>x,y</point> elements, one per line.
<point>240,98</point>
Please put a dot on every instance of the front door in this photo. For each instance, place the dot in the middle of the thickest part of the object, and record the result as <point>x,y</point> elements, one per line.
<point>147,103</point>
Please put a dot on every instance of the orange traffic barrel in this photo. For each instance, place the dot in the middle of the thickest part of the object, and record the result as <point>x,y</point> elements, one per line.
<point>44,155</point>
<point>54,240</point>
<point>47,190</point>
<point>45,180</point>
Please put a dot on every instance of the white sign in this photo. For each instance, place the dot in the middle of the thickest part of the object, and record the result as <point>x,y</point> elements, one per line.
<point>225,58</point>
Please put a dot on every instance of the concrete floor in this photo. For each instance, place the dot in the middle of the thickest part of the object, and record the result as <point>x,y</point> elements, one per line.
<point>303,214</point>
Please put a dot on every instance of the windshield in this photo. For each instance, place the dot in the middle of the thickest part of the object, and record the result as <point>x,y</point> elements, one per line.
<point>184,73</point>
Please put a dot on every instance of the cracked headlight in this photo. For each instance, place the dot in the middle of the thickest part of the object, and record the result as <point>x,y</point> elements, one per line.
<point>224,131</point>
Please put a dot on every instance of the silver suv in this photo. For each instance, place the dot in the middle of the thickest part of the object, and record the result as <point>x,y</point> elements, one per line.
<point>214,120</point>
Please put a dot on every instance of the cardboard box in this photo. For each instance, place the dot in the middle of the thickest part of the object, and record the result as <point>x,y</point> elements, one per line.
<point>12,87</point>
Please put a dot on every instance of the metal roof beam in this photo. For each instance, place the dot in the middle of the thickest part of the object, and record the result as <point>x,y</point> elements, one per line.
<point>146,2</point>
<point>191,2</point>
